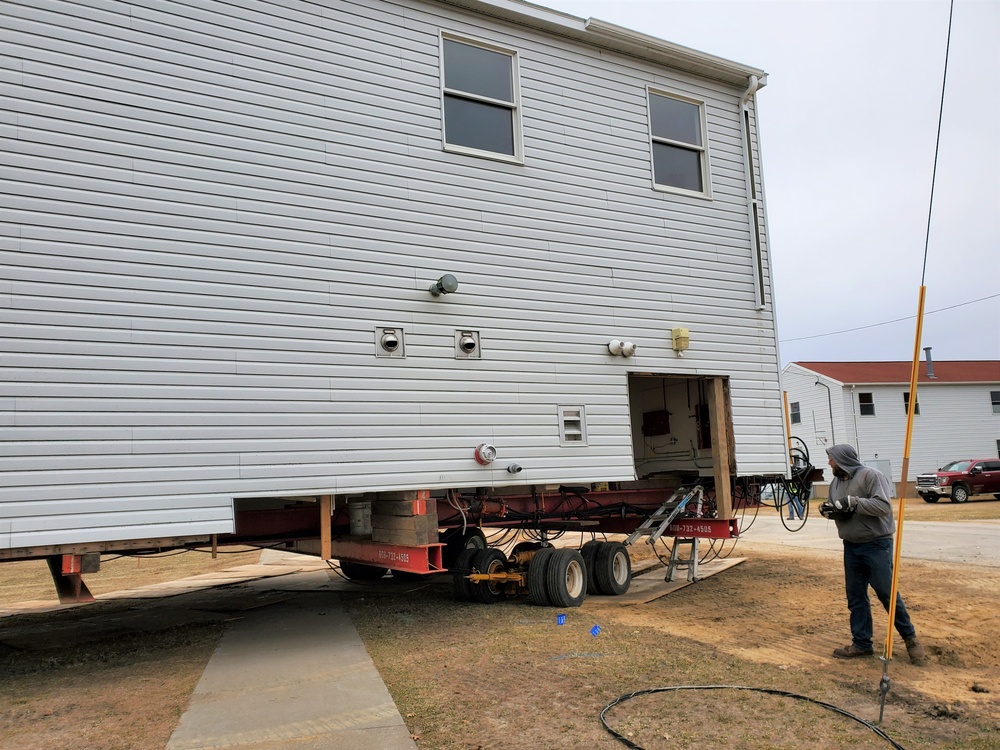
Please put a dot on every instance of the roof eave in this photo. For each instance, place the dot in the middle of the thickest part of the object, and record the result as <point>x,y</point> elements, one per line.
<point>606,35</point>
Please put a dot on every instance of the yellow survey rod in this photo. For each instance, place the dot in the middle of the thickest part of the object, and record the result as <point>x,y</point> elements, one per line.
<point>901,493</point>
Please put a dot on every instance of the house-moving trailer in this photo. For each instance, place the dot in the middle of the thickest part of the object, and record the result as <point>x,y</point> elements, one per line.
<point>363,277</point>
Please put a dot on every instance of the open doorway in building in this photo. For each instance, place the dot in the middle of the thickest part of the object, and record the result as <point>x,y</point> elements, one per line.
<point>682,429</point>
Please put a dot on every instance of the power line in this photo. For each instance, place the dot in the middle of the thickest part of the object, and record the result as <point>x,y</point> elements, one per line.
<point>888,322</point>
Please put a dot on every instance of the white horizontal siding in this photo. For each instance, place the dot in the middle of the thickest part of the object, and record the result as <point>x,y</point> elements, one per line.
<point>208,208</point>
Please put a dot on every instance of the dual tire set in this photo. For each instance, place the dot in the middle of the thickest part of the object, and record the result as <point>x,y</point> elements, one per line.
<point>555,577</point>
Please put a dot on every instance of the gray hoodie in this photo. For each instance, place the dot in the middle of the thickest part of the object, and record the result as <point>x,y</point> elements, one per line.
<point>873,517</point>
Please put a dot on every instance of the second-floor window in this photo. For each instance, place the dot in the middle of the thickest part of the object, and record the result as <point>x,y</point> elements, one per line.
<point>480,100</point>
<point>866,404</point>
<point>796,412</point>
<point>995,400</point>
<point>680,157</point>
<point>906,404</point>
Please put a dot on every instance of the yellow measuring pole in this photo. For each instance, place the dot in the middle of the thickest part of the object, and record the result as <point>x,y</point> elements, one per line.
<point>901,491</point>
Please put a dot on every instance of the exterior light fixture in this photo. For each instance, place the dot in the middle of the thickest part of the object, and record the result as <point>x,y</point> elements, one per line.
<point>445,285</point>
<point>680,339</point>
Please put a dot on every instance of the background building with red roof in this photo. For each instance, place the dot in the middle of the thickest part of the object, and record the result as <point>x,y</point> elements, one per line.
<point>865,404</point>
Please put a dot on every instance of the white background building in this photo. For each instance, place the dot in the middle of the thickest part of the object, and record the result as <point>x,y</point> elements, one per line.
<point>864,404</point>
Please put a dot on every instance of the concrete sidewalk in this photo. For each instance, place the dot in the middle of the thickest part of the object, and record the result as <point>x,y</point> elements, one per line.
<point>295,675</point>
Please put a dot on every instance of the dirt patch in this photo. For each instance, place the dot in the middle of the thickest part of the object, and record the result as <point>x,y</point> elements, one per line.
<point>507,676</point>
<point>111,693</point>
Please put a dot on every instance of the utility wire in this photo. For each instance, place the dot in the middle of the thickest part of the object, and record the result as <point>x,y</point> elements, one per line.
<point>937,143</point>
<point>887,322</point>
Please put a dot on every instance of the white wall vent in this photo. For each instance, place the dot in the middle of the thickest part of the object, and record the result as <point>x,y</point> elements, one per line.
<point>389,342</point>
<point>572,425</point>
<point>467,345</point>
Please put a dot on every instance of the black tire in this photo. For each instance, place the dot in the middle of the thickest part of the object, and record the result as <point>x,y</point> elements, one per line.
<point>489,561</point>
<point>537,591</point>
<point>462,586</point>
<point>456,542</point>
<point>566,578</point>
<point>959,493</point>
<point>360,572</point>
<point>589,552</point>
<point>930,498</point>
<point>613,569</point>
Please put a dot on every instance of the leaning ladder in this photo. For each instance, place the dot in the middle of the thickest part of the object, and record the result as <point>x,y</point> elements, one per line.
<point>657,523</point>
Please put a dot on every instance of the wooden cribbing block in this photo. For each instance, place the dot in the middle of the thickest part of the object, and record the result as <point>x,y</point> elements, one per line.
<point>413,530</point>
<point>419,524</point>
<point>419,507</point>
<point>403,538</point>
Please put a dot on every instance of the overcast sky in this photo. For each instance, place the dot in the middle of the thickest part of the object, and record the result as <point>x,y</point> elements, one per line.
<point>848,125</point>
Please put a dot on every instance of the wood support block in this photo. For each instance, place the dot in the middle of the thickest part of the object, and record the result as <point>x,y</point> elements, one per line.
<point>414,530</point>
<point>419,507</point>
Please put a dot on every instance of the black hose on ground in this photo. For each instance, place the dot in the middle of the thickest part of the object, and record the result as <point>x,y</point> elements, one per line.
<point>782,693</point>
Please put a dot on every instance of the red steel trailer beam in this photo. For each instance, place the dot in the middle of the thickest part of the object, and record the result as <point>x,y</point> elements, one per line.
<point>426,558</point>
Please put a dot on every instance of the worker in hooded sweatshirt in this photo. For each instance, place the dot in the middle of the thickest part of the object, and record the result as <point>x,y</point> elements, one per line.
<point>859,503</point>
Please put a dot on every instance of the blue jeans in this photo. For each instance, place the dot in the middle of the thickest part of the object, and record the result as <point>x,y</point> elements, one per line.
<point>870,564</point>
<point>794,507</point>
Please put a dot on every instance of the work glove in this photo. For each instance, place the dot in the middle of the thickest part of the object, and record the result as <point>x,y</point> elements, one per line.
<point>839,510</point>
<point>846,504</point>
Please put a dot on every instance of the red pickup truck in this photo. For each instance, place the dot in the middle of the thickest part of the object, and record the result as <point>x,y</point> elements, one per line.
<point>959,480</point>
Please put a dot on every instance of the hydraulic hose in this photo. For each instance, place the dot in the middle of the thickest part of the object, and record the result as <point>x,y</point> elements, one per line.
<point>629,696</point>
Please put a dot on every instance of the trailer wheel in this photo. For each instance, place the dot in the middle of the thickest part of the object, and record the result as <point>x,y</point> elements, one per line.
<point>360,572</point>
<point>462,586</point>
<point>456,542</point>
<point>589,552</point>
<point>537,593</point>
<point>489,561</point>
<point>566,578</point>
<point>613,569</point>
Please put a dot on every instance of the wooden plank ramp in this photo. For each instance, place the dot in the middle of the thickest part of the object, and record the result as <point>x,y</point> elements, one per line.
<point>651,585</point>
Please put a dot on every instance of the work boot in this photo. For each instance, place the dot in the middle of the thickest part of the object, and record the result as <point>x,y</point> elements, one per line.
<point>852,652</point>
<point>915,651</point>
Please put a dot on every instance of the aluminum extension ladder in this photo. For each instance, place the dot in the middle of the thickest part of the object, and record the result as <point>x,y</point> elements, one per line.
<point>657,523</point>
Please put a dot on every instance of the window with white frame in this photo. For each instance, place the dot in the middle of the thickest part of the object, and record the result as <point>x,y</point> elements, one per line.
<point>796,412</point>
<point>680,156</point>
<point>906,404</point>
<point>866,404</point>
<point>995,400</point>
<point>479,87</point>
